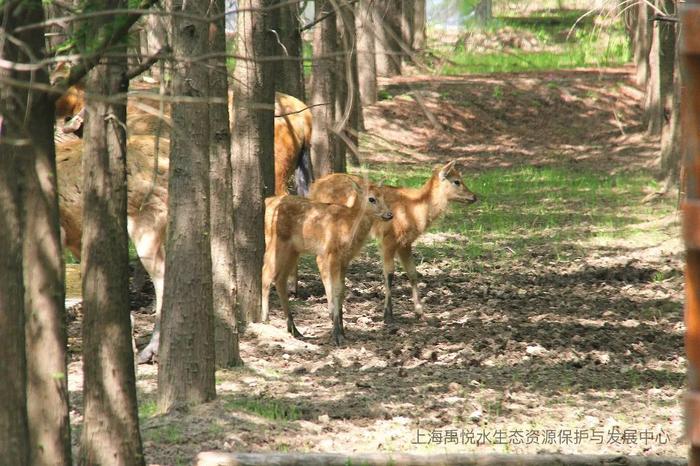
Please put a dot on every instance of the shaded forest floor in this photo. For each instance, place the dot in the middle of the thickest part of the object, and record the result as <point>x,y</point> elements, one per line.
<point>553,306</point>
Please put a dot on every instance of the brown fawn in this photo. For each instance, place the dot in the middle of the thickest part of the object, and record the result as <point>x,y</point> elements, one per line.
<point>334,233</point>
<point>414,210</point>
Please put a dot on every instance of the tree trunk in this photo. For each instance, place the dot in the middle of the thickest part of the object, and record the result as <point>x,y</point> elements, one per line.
<point>289,71</point>
<point>186,356</point>
<point>222,244</point>
<point>324,155</point>
<point>347,41</point>
<point>14,441</point>
<point>252,149</point>
<point>154,37</point>
<point>482,12</point>
<point>670,158</point>
<point>45,338</point>
<point>661,60</point>
<point>387,34</point>
<point>408,20</point>
<point>343,84</point>
<point>419,37</point>
<point>111,426</point>
<point>366,64</point>
<point>642,43</point>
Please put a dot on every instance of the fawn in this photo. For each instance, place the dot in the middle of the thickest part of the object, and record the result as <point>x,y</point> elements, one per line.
<point>414,210</point>
<point>334,233</point>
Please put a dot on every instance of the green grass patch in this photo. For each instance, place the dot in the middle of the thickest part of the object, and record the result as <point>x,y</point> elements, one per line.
<point>167,434</point>
<point>558,208</point>
<point>560,45</point>
<point>273,410</point>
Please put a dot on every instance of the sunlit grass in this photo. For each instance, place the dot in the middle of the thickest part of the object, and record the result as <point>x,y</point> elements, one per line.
<point>561,45</point>
<point>521,208</point>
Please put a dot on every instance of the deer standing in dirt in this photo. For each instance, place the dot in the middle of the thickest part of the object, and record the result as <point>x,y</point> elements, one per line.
<point>334,233</point>
<point>414,210</point>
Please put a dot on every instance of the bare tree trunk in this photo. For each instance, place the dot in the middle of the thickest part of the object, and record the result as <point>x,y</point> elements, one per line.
<point>289,71</point>
<point>186,356</point>
<point>324,156</point>
<point>366,64</point>
<point>343,82</point>
<point>670,157</point>
<point>14,441</point>
<point>419,37</point>
<point>111,426</point>
<point>46,411</point>
<point>252,149</point>
<point>222,243</point>
<point>661,59</point>
<point>408,20</point>
<point>387,34</point>
<point>483,12</point>
<point>347,41</point>
<point>642,43</point>
<point>154,38</point>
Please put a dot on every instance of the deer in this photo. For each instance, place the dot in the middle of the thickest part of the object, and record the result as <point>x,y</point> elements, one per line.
<point>292,131</point>
<point>147,205</point>
<point>414,209</point>
<point>333,233</point>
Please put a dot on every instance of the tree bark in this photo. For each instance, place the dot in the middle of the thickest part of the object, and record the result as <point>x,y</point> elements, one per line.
<point>419,37</point>
<point>110,432</point>
<point>324,154</point>
<point>408,20</point>
<point>483,12</point>
<point>670,157</point>
<point>46,411</point>
<point>366,64</point>
<point>186,356</point>
<point>642,43</point>
<point>661,61</point>
<point>14,441</point>
<point>343,84</point>
<point>289,70</point>
<point>387,34</point>
<point>252,149</point>
<point>347,41</point>
<point>222,243</point>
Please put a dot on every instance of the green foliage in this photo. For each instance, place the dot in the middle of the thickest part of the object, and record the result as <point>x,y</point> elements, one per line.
<point>269,409</point>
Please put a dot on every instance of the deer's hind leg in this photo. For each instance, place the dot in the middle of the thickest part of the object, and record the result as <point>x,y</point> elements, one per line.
<point>281,284</point>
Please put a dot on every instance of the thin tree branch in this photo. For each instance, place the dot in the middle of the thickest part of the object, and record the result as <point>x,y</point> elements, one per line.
<point>79,71</point>
<point>132,73</point>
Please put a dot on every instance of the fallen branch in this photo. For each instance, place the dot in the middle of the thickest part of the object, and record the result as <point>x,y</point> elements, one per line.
<point>386,459</point>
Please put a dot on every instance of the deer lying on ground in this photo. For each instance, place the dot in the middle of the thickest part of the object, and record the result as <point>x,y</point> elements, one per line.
<point>334,233</point>
<point>414,210</point>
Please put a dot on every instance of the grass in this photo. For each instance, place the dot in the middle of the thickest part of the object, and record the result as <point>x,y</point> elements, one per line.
<point>552,207</point>
<point>559,46</point>
<point>272,410</point>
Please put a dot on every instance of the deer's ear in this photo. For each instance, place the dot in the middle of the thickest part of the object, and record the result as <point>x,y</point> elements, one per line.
<point>446,169</point>
<point>355,186</point>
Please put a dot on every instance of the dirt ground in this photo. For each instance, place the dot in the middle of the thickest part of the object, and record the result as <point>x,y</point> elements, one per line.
<point>527,354</point>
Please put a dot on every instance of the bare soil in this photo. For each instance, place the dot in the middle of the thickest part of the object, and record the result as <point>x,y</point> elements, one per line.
<point>529,344</point>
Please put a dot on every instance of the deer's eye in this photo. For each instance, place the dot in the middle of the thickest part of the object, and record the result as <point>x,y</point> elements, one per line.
<point>372,200</point>
<point>456,182</point>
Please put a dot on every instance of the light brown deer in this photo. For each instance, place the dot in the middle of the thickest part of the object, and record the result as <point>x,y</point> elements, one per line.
<point>146,209</point>
<point>414,210</point>
<point>333,233</point>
